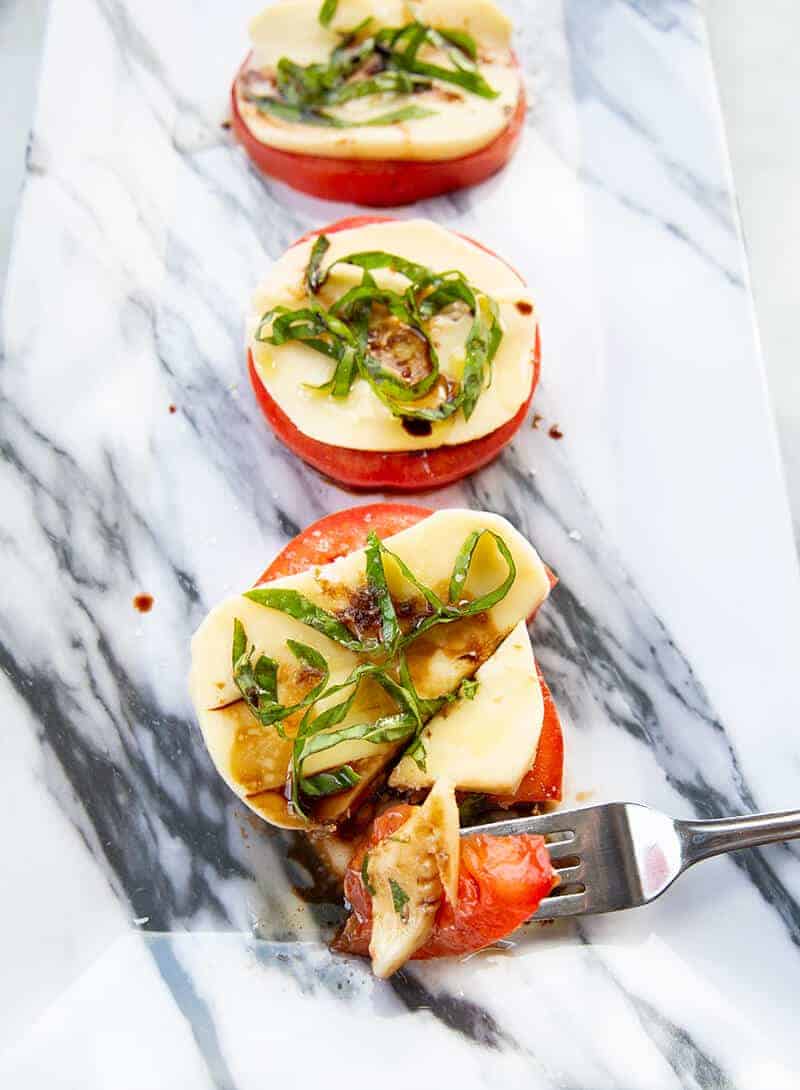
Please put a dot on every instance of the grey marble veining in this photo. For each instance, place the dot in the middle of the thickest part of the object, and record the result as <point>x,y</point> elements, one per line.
<point>670,641</point>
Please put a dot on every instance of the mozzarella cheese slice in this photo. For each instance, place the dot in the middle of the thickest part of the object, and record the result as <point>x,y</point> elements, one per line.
<point>253,760</point>
<point>361,421</point>
<point>409,872</point>
<point>489,742</point>
<point>462,122</point>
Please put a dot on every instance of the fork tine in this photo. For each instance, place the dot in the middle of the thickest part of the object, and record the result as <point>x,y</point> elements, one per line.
<point>568,875</point>
<point>563,849</point>
<point>608,857</point>
<point>568,904</point>
<point>555,822</point>
<point>563,822</point>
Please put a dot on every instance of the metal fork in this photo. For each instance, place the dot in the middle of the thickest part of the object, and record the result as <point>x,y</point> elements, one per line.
<point>622,854</point>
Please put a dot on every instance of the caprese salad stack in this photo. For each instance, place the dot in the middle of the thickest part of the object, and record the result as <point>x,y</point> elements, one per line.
<point>382,102</point>
<point>393,354</point>
<point>376,688</point>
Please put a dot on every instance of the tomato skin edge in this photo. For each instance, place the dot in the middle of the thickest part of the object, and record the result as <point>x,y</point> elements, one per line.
<point>544,782</point>
<point>328,542</point>
<point>390,471</point>
<point>379,183</point>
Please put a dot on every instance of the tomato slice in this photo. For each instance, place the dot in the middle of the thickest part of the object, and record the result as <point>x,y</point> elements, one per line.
<point>379,182</point>
<point>502,880</point>
<point>544,781</point>
<point>390,471</point>
<point>394,471</point>
<point>341,533</point>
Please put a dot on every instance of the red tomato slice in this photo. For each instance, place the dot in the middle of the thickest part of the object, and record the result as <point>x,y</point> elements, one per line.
<point>341,533</point>
<point>395,471</point>
<point>379,182</point>
<point>502,880</point>
<point>390,471</point>
<point>543,783</point>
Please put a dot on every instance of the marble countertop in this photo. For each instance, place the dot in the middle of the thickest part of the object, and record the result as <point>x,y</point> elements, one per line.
<point>152,938</point>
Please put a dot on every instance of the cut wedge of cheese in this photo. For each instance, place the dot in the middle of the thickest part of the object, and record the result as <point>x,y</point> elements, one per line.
<point>361,421</point>
<point>441,810</point>
<point>408,873</point>
<point>461,122</point>
<point>486,743</point>
<point>236,742</point>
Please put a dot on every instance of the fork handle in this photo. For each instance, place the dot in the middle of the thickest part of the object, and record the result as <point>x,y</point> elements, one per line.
<point>702,839</point>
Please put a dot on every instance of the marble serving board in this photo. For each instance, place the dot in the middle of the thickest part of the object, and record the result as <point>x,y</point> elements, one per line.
<point>150,932</point>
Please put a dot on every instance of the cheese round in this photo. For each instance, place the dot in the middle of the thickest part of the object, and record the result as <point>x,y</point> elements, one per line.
<point>361,421</point>
<point>462,123</point>
<point>486,742</point>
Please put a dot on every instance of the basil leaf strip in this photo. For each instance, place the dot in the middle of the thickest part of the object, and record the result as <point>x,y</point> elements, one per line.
<point>468,689</point>
<point>318,251</point>
<point>399,898</point>
<point>390,65</point>
<point>308,728</point>
<point>379,590</point>
<point>296,605</point>
<point>425,707</point>
<point>327,11</point>
<point>297,325</point>
<point>461,40</point>
<point>399,83</point>
<point>378,259</point>
<point>389,728</point>
<point>346,323</point>
<point>331,783</point>
<point>433,600</point>
<point>461,568</point>
<point>258,683</point>
<point>239,647</point>
<point>306,115</point>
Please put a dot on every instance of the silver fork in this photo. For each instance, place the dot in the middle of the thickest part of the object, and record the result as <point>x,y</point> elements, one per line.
<point>621,855</point>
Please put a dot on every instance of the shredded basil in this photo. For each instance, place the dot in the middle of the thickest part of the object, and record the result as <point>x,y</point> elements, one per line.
<point>389,63</point>
<point>379,590</point>
<point>462,40</point>
<point>307,115</point>
<point>398,83</point>
<point>368,886</point>
<point>341,332</point>
<point>330,783</point>
<point>239,642</point>
<point>387,729</point>
<point>318,251</point>
<point>377,259</point>
<point>400,899</point>
<point>302,609</point>
<point>327,11</point>
<point>258,681</point>
<point>461,568</point>
<point>468,688</point>
<point>320,731</point>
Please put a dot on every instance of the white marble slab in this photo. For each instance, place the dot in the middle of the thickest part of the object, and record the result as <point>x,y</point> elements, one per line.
<point>671,641</point>
<point>754,48</point>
